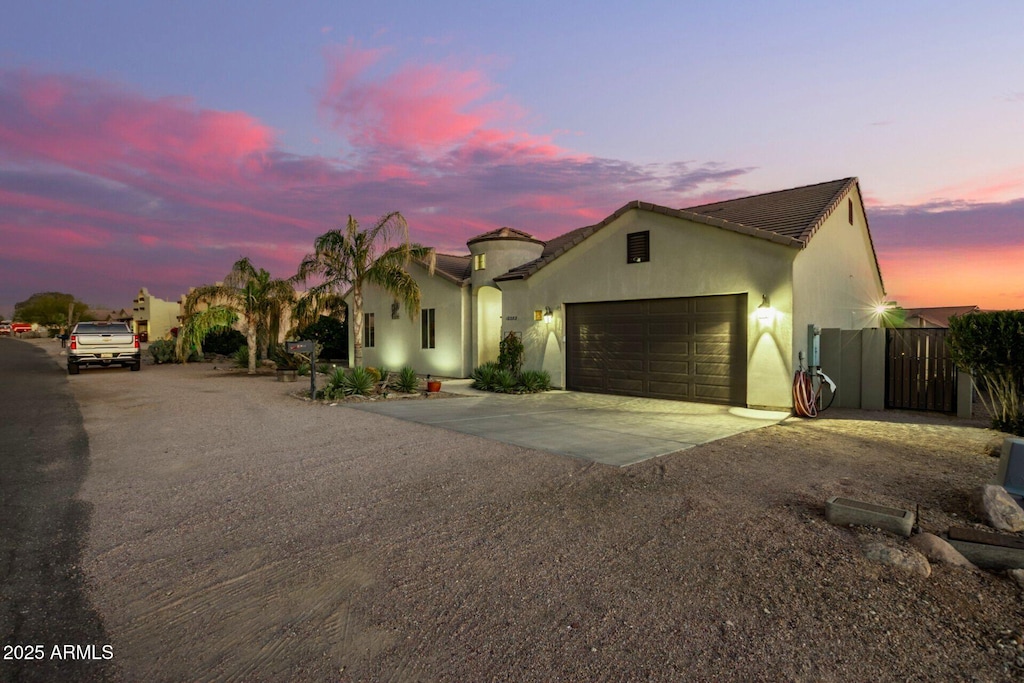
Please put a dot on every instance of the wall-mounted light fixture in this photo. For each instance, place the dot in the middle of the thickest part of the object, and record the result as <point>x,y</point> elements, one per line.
<point>548,315</point>
<point>765,312</point>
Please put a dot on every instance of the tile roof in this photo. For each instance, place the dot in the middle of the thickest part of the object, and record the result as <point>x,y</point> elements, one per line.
<point>940,315</point>
<point>789,217</point>
<point>454,268</point>
<point>505,234</point>
<point>796,213</point>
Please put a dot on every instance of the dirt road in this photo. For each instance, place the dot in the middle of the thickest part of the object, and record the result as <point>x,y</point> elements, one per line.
<point>240,534</point>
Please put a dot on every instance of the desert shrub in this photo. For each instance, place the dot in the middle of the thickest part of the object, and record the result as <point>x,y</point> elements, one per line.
<point>323,368</point>
<point>303,370</point>
<point>407,380</point>
<point>330,333</point>
<point>241,357</point>
<point>504,382</point>
<point>351,382</point>
<point>483,376</point>
<point>375,373</point>
<point>990,346</point>
<point>162,351</point>
<point>510,353</point>
<point>534,381</point>
<point>224,341</point>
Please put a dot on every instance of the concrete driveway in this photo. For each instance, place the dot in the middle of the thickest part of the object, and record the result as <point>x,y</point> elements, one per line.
<point>614,430</point>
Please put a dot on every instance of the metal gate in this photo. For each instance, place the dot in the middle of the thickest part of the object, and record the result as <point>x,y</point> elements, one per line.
<point>919,372</point>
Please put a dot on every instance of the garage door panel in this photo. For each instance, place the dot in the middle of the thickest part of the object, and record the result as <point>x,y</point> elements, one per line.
<point>688,349</point>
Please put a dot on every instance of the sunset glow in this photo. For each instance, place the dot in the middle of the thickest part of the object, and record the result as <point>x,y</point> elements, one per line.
<point>123,166</point>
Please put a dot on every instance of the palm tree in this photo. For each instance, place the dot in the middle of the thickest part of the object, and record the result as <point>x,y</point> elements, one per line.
<point>260,300</point>
<point>348,260</point>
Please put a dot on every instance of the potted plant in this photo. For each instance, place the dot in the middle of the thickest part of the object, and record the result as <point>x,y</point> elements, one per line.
<point>287,364</point>
<point>433,385</point>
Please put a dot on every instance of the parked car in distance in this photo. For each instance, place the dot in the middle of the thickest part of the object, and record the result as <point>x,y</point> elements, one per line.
<point>5,329</point>
<point>21,327</point>
<point>104,344</point>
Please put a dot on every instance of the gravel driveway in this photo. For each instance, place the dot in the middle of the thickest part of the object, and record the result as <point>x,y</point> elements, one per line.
<point>241,534</point>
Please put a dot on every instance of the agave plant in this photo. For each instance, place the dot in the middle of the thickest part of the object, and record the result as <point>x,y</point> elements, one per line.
<point>407,382</point>
<point>357,382</point>
<point>483,376</point>
<point>534,381</point>
<point>504,381</point>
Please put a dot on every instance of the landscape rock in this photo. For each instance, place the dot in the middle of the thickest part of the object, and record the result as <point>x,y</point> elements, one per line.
<point>907,559</point>
<point>1017,575</point>
<point>938,550</point>
<point>998,509</point>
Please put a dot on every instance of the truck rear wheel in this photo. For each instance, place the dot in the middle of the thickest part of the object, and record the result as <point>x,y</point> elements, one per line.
<point>136,366</point>
<point>73,368</point>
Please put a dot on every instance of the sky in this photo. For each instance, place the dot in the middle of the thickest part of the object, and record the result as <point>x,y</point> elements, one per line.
<point>152,144</point>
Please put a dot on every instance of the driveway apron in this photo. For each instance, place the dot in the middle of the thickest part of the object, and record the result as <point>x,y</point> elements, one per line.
<point>613,430</point>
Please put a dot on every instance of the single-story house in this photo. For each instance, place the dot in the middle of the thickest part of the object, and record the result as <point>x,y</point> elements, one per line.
<point>710,303</point>
<point>935,317</point>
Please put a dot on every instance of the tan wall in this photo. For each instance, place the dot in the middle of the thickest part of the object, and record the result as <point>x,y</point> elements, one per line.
<point>687,259</point>
<point>398,342</point>
<point>159,315</point>
<point>835,281</point>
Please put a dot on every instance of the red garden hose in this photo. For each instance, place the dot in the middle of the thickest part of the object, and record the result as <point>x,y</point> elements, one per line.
<point>805,398</point>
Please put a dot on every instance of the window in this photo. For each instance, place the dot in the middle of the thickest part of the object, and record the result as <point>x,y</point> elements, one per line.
<point>427,328</point>
<point>479,261</point>
<point>849,204</point>
<point>638,247</point>
<point>368,331</point>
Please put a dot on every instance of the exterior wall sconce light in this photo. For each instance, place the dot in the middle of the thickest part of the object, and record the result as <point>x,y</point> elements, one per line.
<point>765,312</point>
<point>548,315</point>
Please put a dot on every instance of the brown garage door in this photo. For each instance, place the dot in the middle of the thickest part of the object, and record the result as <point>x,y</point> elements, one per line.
<point>691,349</point>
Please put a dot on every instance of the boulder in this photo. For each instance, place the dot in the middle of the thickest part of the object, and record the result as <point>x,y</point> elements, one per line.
<point>1017,575</point>
<point>938,550</point>
<point>998,509</point>
<point>907,559</point>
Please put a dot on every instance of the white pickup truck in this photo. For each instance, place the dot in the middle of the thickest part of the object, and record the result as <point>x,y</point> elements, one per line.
<point>103,344</point>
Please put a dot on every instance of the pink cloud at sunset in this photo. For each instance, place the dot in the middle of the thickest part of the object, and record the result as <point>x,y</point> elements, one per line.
<point>104,190</point>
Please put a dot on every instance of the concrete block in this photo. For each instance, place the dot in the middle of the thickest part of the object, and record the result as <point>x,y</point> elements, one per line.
<point>987,549</point>
<point>843,511</point>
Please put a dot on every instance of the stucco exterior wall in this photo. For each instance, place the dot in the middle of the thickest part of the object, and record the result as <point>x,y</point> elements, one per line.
<point>154,315</point>
<point>687,259</point>
<point>398,341</point>
<point>835,281</point>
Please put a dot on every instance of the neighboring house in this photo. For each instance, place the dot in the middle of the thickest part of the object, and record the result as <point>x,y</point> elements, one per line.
<point>153,317</point>
<point>710,303</point>
<point>109,315</point>
<point>935,317</point>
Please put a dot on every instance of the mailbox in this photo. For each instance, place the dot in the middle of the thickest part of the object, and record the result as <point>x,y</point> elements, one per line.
<point>299,346</point>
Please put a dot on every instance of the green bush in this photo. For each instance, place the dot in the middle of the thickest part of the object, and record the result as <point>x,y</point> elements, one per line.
<point>510,353</point>
<point>352,382</point>
<point>990,346</point>
<point>331,334</point>
<point>241,357</point>
<point>483,376</point>
<point>407,382</point>
<point>534,381</point>
<point>224,341</point>
<point>504,382</point>
<point>162,351</point>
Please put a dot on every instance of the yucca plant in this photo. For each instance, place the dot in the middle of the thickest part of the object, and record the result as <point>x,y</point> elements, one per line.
<point>241,357</point>
<point>483,376</point>
<point>504,381</point>
<point>407,382</point>
<point>534,381</point>
<point>357,382</point>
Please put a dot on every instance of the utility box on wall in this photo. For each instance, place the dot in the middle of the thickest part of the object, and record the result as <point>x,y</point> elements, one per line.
<point>1011,468</point>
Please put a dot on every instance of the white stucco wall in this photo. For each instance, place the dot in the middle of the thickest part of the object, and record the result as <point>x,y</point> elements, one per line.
<point>835,281</point>
<point>398,342</point>
<point>687,259</point>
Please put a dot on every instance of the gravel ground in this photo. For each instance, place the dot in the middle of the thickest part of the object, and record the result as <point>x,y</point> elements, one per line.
<point>239,533</point>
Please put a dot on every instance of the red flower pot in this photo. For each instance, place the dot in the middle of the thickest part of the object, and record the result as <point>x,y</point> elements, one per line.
<point>433,386</point>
